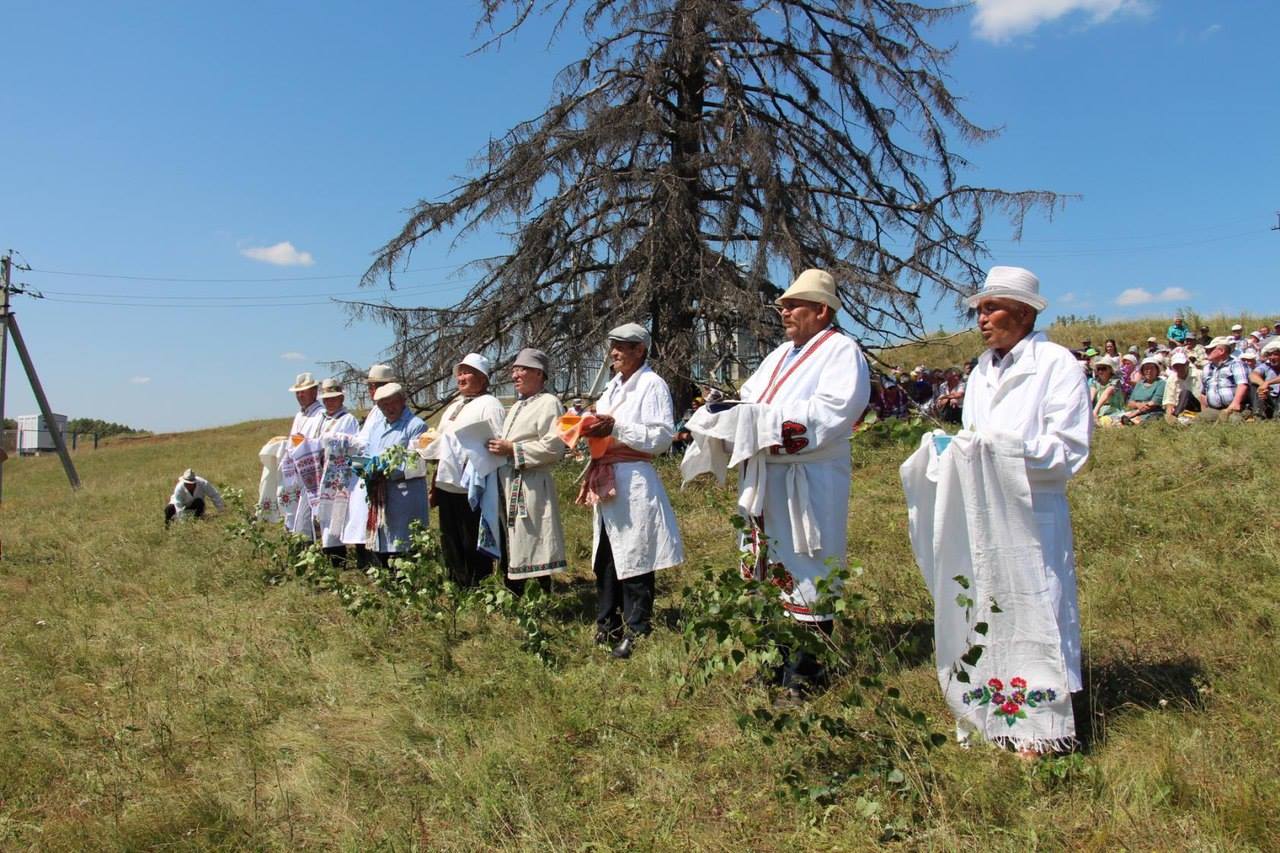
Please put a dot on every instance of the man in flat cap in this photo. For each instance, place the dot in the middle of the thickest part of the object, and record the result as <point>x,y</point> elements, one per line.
<point>530,447</point>
<point>991,530</point>
<point>813,388</point>
<point>635,528</point>
<point>460,522</point>
<point>353,532</point>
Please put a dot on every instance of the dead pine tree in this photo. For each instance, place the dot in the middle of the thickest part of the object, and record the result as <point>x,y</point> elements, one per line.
<point>701,153</point>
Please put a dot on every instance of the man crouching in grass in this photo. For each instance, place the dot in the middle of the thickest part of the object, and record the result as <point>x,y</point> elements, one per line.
<point>189,497</point>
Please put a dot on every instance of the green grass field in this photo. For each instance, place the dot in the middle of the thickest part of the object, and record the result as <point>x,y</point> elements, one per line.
<point>157,693</point>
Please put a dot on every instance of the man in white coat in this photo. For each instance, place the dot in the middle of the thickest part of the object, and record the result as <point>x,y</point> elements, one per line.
<point>353,532</point>
<point>306,424</point>
<point>635,527</point>
<point>459,520</point>
<point>990,506</point>
<point>811,390</point>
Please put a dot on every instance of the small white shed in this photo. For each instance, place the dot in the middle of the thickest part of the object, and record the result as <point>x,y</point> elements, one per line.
<point>34,436</point>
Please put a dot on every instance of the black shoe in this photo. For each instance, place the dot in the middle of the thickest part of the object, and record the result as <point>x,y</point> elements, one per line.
<point>623,650</point>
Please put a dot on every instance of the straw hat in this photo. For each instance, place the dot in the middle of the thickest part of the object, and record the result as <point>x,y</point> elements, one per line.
<point>331,388</point>
<point>1107,362</point>
<point>188,476</point>
<point>813,286</point>
<point>304,382</point>
<point>381,373</point>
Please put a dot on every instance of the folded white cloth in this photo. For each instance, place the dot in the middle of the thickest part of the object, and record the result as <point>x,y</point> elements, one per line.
<point>976,538</point>
<point>728,438</point>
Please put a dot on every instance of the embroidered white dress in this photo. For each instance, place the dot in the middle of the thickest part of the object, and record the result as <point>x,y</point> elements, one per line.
<point>343,423</point>
<point>535,540</point>
<point>814,395</point>
<point>639,520</point>
<point>306,423</point>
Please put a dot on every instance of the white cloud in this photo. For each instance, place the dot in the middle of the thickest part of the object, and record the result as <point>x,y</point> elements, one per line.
<point>1210,31</point>
<point>1067,298</point>
<point>1142,296</point>
<point>140,380</point>
<point>293,356</point>
<point>281,254</point>
<point>1000,20</point>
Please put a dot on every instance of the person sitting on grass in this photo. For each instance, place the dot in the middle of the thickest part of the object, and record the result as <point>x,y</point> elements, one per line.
<point>1105,394</point>
<point>1181,390</point>
<point>1265,382</point>
<point>1147,398</point>
<point>189,497</point>
<point>1128,372</point>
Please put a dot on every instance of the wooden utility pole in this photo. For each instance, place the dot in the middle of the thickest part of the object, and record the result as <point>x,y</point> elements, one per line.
<point>6,264</point>
<point>9,325</point>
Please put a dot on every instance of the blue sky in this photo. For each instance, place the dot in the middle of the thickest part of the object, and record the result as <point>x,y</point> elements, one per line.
<point>187,143</point>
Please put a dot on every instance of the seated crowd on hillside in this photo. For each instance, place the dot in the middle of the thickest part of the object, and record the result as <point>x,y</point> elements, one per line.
<point>1182,377</point>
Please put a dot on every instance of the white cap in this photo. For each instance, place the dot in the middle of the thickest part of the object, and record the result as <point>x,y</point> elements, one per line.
<point>1179,357</point>
<point>188,476</point>
<point>1222,341</point>
<point>1237,328</point>
<point>387,391</point>
<point>1151,359</point>
<point>1016,283</point>
<point>1105,361</point>
<point>1272,346</point>
<point>1250,353</point>
<point>476,361</point>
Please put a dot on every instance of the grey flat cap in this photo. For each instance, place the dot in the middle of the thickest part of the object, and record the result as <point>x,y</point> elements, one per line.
<point>631,333</point>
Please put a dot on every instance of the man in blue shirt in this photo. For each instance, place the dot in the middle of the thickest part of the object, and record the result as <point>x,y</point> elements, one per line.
<point>1265,381</point>
<point>1225,383</point>
<point>1177,333</point>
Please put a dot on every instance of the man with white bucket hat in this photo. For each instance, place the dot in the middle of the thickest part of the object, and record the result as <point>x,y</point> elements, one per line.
<point>189,497</point>
<point>460,521</point>
<point>991,530</point>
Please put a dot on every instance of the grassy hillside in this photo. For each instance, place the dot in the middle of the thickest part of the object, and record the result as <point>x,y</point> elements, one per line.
<point>156,691</point>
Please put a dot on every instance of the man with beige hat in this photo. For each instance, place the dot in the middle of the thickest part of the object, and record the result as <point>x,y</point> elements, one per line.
<point>991,529</point>
<point>811,390</point>
<point>307,423</point>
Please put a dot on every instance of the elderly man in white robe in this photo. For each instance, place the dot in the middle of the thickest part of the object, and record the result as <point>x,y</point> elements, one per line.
<point>306,424</point>
<point>460,538</point>
<point>635,528</point>
<point>533,541</point>
<point>803,400</point>
<point>991,529</point>
<point>354,532</point>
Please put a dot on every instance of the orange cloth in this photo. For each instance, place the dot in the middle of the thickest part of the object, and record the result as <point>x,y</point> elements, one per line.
<point>600,483</point>
<point>570,428</point>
